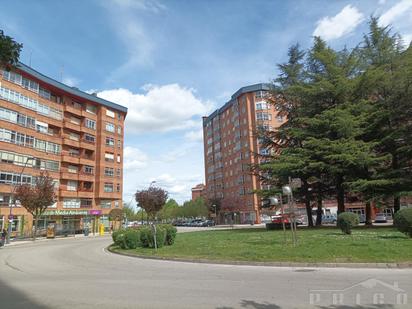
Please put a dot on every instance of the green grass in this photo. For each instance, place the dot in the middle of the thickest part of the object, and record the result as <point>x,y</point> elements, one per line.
<point>314,245</point>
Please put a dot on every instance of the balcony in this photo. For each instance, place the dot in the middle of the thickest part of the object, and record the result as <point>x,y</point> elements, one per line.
<point>86,177</point>
<point>71,142</point>
<point>80,193</point>
<point>70,158</point>
<point>85,129</point>
<point>74,110</point>
<point>66,174</point>
<point>87,160</point>
<point>87,145</point>
<point>72,126</point>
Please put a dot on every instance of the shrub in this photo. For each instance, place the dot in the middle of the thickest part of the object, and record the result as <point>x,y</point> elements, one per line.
<point>147,236</point>
<point>132,238</point>
<point>121,240</point>
<point>170,234</point>
<point>403,221</point>
<point>117,233</point>
<point>347,220</point>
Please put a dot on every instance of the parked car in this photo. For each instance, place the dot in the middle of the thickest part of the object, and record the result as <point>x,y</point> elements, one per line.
<point>329,219</point>
<point>362,219</point>
<point>381,218</point>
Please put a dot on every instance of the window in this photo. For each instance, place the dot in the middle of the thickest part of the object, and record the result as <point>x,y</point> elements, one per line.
<point>108,171</point>
<point>261,94</point>
<point>109,113</point>
<point>119,116</point>
<point>30,85</point>
<point>74,136</point>
<point>12,77</point>
<point>108,187</point>
<point>118,172</point>
<point>105,204</point>
<point>119,130</point>
<point>119,143</point>
<point>42,127</point>
<point>91,109</point>
<point>44,93</point>
<point>88,169</point>
<point>86,203</point>
<point>90,138</point>
<point>109,157</point>
<point>91,124</point>
<point>72,169</point>
<point>261,105</point>
<point>116,204</point>
<point>110,141</point>
<point>118,187</point>
<point>75,120</point>
<point>72,185</point>
<point>279,118</point>
<point>71,203</point>
<point>110,127</point>
<point>118,158</point>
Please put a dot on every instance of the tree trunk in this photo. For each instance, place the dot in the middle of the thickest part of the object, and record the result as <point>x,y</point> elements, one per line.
<point>319,211</point>
<point>340,194</point>
<point>396,204</point>
<point>396,199</point>
<point>368,214</point>
<point>307,203</point>
<point>35,227</point>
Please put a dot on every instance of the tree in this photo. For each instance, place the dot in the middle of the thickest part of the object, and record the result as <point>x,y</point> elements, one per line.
<point>151,200</point>
<point>130,212</point>
<point>9,51</point>
<point>116,215</point>
<point>35,199</point>
<point>386,86</point>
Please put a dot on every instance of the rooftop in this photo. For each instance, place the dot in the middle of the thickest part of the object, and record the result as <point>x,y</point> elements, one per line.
<point>71,90</point>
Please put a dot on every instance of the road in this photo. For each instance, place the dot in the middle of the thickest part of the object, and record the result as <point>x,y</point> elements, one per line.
<point>79,273</point>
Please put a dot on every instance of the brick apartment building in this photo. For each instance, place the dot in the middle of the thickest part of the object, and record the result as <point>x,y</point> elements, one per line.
<point>198,191</point>
<point>76,137</point>
<point>230,145</point>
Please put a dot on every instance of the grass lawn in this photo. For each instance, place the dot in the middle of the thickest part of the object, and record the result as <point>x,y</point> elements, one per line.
<point>314,245</point>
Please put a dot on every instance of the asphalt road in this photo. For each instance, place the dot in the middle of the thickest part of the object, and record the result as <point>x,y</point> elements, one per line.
<point>79,273</point>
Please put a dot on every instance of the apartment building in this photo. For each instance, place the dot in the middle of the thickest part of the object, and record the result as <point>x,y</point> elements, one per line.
<point>75,136</point>
<point>198,191</point>
<point>231,147</point>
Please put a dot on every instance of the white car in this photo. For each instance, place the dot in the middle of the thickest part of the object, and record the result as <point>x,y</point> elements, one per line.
<point>381,218</point>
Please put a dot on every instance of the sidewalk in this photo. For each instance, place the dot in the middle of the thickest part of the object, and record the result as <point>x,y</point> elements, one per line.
<point>17,242</point>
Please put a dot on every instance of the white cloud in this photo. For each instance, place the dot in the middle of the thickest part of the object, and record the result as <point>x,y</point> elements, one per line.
<point>330,28</point>
<point>175,186</point>
<point>194,136</point>
<point>395,12</point>
<point>146,5</point>
<point>161,108</point>
<point>134,158</point>
<point>70,81</point>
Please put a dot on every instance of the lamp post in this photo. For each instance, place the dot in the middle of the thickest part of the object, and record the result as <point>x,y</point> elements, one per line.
<point>287,190</point>
<point>214,206</point>
<point>13,201</point>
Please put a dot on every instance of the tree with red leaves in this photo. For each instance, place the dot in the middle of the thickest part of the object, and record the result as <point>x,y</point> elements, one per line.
<point>36,198</point>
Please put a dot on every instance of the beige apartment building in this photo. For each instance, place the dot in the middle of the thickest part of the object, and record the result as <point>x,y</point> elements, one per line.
<point>75,136</point>
<point>231,147</point>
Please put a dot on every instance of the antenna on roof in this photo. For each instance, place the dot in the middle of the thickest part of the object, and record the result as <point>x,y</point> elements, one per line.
<point>31,52</point>
<point>61,73</point>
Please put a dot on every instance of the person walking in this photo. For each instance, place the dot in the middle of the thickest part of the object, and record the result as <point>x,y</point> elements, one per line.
<point>3,237</point>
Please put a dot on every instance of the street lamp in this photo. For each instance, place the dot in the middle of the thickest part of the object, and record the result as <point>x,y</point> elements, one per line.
<point>214,206</point>
<point>288,191</point>
<point>13,201</point>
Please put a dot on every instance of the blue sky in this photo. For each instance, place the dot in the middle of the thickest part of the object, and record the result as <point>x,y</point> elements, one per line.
<point>171,62</point>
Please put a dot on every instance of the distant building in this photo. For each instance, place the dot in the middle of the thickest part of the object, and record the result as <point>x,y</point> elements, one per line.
<point>230,145</point>
<point>198,191</point>
<point>75,136</point>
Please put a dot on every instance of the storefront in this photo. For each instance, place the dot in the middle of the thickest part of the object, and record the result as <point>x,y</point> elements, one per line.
<point>70,222</point>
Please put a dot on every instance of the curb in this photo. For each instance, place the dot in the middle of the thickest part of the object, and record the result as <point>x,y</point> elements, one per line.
<point>407,265</point>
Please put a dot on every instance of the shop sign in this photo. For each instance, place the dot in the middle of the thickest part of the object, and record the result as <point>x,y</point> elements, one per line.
<point>95,212</point>
<point>65,212</point>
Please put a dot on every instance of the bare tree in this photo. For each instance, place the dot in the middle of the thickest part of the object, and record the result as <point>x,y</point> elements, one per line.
<point>35,199</point>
